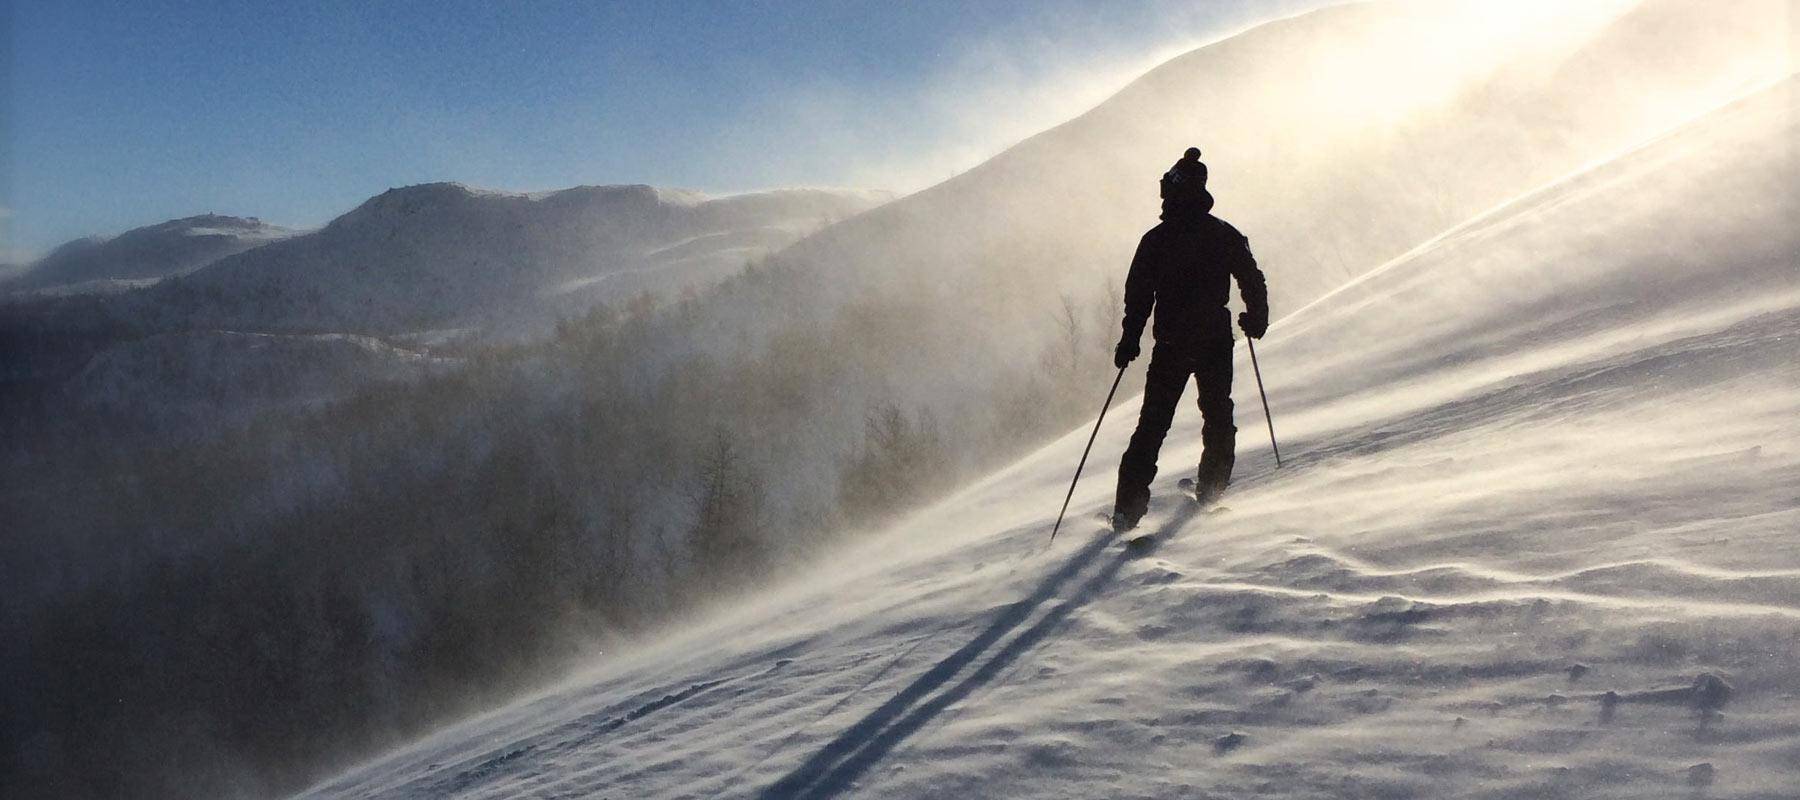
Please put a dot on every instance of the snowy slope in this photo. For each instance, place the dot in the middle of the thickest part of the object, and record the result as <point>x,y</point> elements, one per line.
<point>142,256</point>
<point>1336,139</point>
<point>1533,539</point>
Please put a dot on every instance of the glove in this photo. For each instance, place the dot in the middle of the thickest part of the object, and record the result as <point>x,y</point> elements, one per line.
<point>1254,325</point>
<point>1125,352</point>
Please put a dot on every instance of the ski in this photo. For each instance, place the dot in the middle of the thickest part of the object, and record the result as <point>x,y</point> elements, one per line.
<point>1211,507</point>
<point>1135,537</point>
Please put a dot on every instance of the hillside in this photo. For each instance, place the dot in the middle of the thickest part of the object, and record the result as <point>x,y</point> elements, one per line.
<point>142,256</point>
<point>1533,539</point>
<point>416,268</point>
<point>1336,139</point>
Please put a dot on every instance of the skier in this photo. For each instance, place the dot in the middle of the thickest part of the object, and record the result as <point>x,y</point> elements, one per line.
<point>1183,268</point>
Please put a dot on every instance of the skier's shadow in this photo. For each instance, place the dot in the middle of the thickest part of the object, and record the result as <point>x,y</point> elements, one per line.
<point>837,765</point>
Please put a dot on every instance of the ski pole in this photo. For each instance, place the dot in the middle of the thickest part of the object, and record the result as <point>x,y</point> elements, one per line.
<point>1084,453</point>
<point>1265,400</point>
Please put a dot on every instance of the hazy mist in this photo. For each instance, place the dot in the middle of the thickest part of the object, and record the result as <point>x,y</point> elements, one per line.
<point>446,517</point>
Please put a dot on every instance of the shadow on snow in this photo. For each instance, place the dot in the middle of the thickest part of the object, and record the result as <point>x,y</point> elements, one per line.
<point>837,765</point>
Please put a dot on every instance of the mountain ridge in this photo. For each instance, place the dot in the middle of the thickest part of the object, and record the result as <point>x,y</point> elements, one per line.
<point>147,253</point>
<point>448,255</point>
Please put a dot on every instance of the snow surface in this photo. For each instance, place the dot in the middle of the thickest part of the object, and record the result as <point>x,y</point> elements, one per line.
<point>1533,538</point>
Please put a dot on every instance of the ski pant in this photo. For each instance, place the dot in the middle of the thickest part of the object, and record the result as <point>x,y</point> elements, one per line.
<point>1209,362</point>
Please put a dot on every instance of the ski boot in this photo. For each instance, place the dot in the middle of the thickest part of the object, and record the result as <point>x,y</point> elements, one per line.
<point>1206,495</point>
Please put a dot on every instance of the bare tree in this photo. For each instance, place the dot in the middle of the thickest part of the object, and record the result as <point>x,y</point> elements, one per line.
<point>1071,335</point>
<point>727,533</point>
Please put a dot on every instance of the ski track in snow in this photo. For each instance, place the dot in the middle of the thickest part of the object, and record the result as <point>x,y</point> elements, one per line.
<point>1501,562</point>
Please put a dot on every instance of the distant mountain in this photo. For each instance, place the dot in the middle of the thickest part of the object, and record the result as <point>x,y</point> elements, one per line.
<point>445,255</point>
<point>153,325</point>
<point>142,256</point>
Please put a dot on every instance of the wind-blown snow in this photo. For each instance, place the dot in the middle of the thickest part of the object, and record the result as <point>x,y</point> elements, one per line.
<point>1533,538</point>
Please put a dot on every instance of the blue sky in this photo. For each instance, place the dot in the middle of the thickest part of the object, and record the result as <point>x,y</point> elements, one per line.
<point>122,114</point>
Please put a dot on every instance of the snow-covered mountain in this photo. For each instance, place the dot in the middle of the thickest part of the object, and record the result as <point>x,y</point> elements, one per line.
<point>1533,538</point>
<point>1336,139</point>
<point>1537,414</point>
<point>446,255</point>
<point>1322,185</point>
<point>158,317</point>
<point>142,256</point>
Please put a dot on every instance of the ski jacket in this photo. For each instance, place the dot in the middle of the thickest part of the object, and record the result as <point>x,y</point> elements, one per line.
<point>1183,269</point>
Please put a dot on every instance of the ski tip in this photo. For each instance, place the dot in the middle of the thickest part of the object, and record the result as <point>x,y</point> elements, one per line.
<point>1186,483</point>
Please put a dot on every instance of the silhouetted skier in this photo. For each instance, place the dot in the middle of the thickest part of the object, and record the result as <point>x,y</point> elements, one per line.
<point>1183,269</point>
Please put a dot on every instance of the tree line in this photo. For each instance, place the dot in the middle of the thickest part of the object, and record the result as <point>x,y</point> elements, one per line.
<point>231,614</point>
